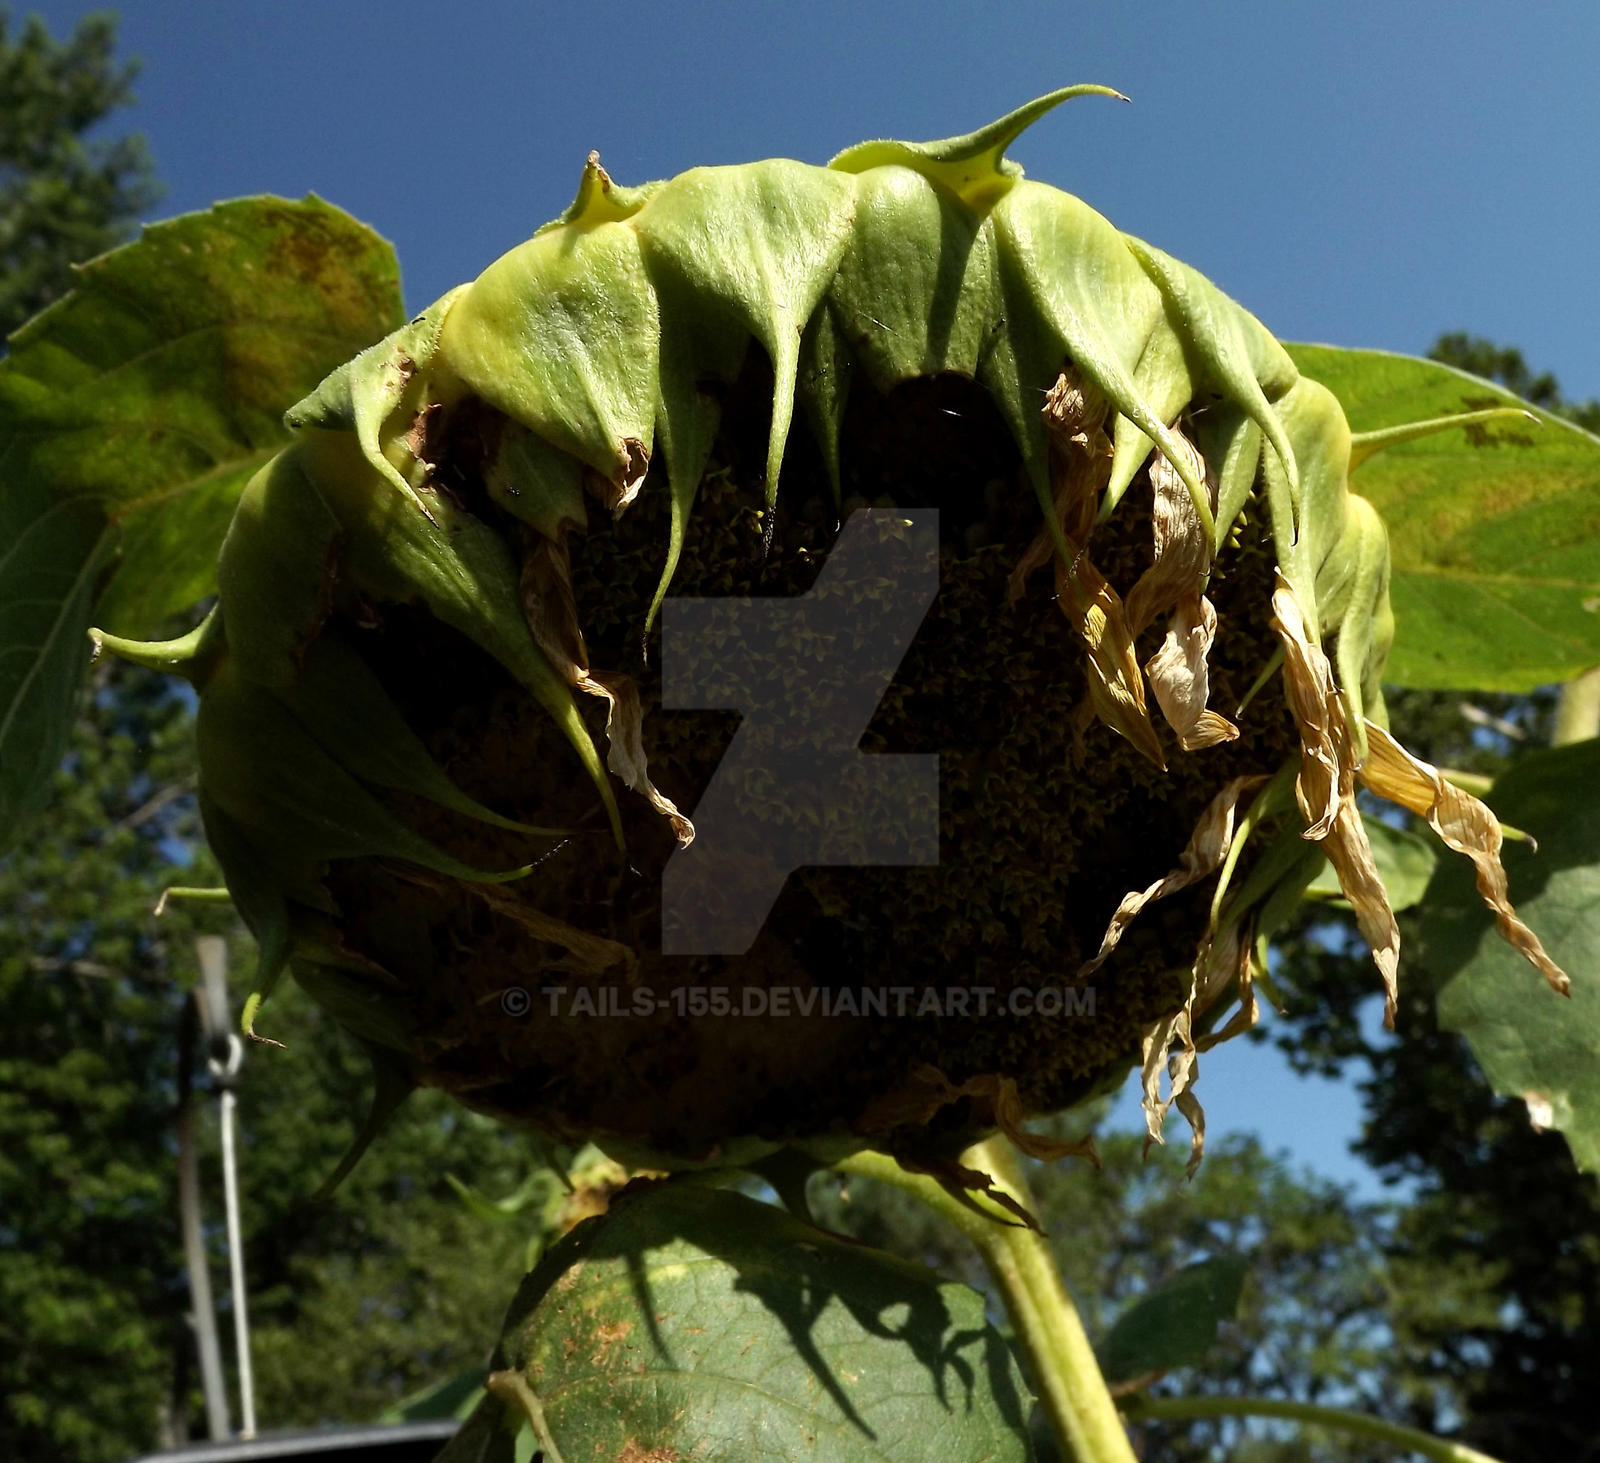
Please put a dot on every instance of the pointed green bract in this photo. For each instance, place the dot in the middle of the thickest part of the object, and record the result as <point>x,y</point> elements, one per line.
<point>189,656</point>
<point>341,702</point>
<point>296,803</point>
<point>827,367</point>
<point>1229,351</point>
<point>561,335</point>
<point>974,166</point>
<point>703,345</point>
<point>259,898</point>
<point>278,567</point>
<point>364,394</point>
<point>760,243</point>
<point>1164,384</point>
<point>1231,442</point>
<point>392,1083</point>
<point>914,293</point>
<point>457,565</point>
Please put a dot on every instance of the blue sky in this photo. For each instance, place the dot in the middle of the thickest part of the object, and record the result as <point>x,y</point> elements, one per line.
<point>1362,173</point>
<point>1359,173</point>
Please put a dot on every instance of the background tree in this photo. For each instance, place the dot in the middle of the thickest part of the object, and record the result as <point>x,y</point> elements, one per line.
<point>95,1350</point>
<point>64,196</point>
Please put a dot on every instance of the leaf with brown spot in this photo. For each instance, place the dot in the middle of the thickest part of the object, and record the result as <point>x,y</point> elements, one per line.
<point>729,1328</point>
<point>132,414</point>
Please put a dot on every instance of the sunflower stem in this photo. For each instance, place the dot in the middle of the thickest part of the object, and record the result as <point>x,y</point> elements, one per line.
<point>1357,1424</point>
<point>1055,1349</point>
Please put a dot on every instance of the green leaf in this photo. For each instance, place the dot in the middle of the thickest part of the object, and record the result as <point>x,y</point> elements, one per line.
<point>1175,1325</point>
<point>456,1396</point>
<point>1405,859</point>
<point>485,1437</point>
<point>699,1323</point>
<point>1494,529</point>
<point>132,413</point>
<point>1530,1043</point>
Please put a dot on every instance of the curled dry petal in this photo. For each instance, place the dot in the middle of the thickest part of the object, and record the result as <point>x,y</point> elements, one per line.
<point>1308,687</point>
<point>1467,826</point>
<point>1182,556</point>
<point>1325,788</point>
<point>1079,463</point>
<point>552,616</point>
<point>1181,680</point>
<point>1175,580</point>
<point>1202,855</point>
<point>1216,965</point>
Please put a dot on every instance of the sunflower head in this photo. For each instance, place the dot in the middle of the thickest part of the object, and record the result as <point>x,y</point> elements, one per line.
<point>912,422</point>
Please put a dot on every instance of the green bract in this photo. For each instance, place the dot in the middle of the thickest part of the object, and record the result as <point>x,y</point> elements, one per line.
<point>389,724</point>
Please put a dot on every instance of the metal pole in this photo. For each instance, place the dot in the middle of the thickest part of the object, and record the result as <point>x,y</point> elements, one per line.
<point>241,1312</point>
<point>213,953</point>
<point>202,1307</point>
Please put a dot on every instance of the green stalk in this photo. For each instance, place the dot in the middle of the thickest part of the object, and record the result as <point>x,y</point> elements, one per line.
<point>1189,1409</point>
<point>1056,1353</point>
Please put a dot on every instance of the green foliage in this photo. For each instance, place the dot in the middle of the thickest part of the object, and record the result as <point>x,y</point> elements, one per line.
<point>133,412</point>
<point>692,1321</point>
<point>62,198</point>
<point>357,1302</point>
<point>1176,1325</point>
<point>1317,1312</point>
<point>1532,1044</point>
<point>1494,529</point>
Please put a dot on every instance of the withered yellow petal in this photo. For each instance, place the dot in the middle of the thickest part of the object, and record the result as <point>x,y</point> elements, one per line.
<point>1466,825</point>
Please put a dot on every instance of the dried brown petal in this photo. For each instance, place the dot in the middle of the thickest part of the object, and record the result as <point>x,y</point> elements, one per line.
<point>1325,788</point>
<point>1075,413</point>
<point>1182,546</point>
<point>1313,699</point>
<point>1351,856</point>
<point>1181,679</point>
<point>1203,855</point>
<point>1466,825</point>
<point>1216,965</point>
<point>1079,463</point>
<point>552,616</point>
